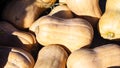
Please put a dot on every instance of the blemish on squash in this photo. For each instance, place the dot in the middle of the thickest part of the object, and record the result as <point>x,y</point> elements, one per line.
<point>110,34</point>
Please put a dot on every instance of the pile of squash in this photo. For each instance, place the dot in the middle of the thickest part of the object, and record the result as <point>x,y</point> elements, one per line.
<point>59,34</point>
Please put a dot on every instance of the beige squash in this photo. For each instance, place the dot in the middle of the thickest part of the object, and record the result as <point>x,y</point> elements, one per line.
<point>22,13</point>
<point>104,56</point>
<point>109,23</point>
<point>52,56</point>
<point>73,33</point>
<point>15,58</point>
<point>61,11</point>
<point>87,9</point>
<point>62,1</point>
<point>14,37</point>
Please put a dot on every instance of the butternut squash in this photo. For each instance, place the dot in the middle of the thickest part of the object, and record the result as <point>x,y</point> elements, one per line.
<point>22,13</point>
<point>62,1</point>
<point>52,56</point>
<point>61,11</point>
<point>15,58</point>
<point>14,37</point>
<point>104,56</point>
<point>109,23</point>
<point>72,33</point>
<point>87,9</point>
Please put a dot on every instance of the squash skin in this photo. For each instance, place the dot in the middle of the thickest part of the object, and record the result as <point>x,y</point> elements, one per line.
<point>61,11</point>
<point>107,29</point>
<point>15,37</point>
<point>72,33</point>
<point>109,23</point>
<point>111,53</point>
<point>22,13</point>
<point>82,59</point>
<point>52,56</point>
<point>104,56</point>
<point>62,1</point>
<point>15,58</point>
<point>87,9</point>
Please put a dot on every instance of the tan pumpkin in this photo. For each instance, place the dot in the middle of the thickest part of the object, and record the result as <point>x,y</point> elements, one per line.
<point>109,23</point>
<point>15,58</point>
<point>73,33</point>
<point>14,37</point>
<point>87,9</point>
<point>22,13</point>
<point>104,56</point>
<point>52,56</point>
<point>61,11</point>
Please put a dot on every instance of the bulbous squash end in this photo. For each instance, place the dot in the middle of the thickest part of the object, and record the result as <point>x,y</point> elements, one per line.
<point>108,35</point>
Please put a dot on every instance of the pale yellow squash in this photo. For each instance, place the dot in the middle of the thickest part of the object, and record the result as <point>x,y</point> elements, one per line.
<point>52,56</point>
<point>61,11</point>
<point>62,1</point>
<point>104,56</point>
<point>87,9</point>
<point>109,23</point>
<point>73,33</point>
